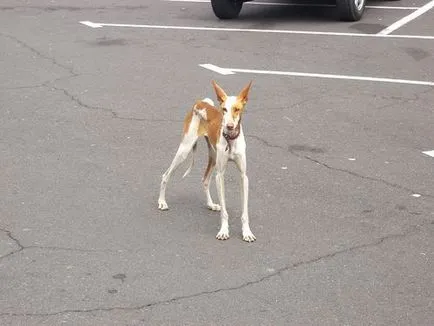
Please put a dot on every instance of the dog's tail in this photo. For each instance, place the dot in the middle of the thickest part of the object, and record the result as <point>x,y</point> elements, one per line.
<point>193,151</point>
<point>208,100</point>
<point>200,110</point>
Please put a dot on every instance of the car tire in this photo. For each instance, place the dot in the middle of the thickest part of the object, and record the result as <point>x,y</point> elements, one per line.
<point>226,9</point>
<point>350,10</point>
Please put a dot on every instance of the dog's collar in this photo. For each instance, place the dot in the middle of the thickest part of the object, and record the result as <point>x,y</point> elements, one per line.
<point>230,137</point>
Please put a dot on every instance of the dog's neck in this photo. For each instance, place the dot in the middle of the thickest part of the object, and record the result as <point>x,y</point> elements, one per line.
<point>230,137</point>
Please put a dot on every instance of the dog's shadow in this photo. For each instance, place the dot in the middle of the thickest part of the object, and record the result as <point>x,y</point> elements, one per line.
<point>191,212</point>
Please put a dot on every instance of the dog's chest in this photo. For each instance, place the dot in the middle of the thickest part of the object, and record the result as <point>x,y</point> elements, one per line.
<point>231,149</point>
<point>234,148</point>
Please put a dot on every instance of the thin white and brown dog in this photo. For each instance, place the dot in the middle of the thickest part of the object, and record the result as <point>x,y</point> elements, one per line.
<point>224,135</point>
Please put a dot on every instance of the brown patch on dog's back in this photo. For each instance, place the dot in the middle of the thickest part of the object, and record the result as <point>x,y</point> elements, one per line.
<point>209,127</point>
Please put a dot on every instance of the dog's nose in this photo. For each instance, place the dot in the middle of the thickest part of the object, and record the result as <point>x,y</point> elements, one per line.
<point>230,126</point>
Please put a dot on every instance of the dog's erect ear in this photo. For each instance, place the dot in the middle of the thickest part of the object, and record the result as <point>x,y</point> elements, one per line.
<point>244,94</point>
<point>221,95</point>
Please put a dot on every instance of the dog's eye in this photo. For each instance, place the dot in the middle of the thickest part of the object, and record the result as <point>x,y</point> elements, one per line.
<point>224,110</point>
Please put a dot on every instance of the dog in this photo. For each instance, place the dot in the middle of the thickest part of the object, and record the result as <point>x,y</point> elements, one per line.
<point>224,135</point>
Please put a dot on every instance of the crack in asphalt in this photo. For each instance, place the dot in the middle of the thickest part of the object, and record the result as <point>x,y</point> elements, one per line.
<point>416,96</point>
<point>21,247</point>
<point>44,84</point>
<point>72,74</point>
<point>15,240</point>
<point>404,100</point>
<point>318,162</point>
<point>23,87</point>
<point>39,54</point>
<point>113,113</point>
<point>412,229</point>
<point>401,98</point>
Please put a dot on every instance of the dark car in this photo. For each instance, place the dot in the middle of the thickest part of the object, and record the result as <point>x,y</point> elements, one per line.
<point>348,10</point>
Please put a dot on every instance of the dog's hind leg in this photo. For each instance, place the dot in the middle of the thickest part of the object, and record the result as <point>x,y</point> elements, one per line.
<point>207,177</point>
<point>184,149</point>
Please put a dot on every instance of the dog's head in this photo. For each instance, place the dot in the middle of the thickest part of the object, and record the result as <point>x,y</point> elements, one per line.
<point>232,107</point>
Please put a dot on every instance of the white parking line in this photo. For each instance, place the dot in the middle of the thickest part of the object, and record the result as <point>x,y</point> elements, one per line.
<point>232,71</point>
<point>429,153</point>
<point>298,4</point>
<point>407,19</point>
<point>250,30</point>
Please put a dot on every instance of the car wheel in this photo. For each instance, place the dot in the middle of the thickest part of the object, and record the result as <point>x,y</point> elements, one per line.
<point>350,10</point>
<point>226,9</point>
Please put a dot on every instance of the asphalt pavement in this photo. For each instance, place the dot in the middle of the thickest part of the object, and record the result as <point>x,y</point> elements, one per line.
<point>339,131</point>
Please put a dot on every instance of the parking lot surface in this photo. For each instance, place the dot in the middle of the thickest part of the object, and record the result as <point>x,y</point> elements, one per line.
<point>339,131</point>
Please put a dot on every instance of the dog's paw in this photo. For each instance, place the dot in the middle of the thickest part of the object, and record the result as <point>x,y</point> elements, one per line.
<point>214,207</point>
<point>248,236</point>
<point>162,205</point>
<point>222,235</point>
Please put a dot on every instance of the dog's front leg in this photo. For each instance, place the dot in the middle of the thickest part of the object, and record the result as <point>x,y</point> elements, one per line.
<point>240,161</point>
<point>222,160</point>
